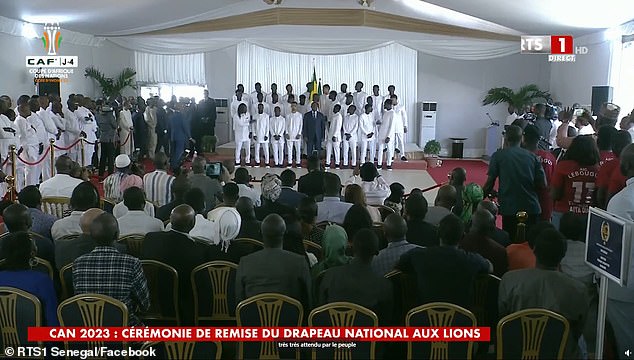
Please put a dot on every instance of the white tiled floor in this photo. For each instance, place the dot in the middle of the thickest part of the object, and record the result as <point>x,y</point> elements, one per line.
<point>408,178</point>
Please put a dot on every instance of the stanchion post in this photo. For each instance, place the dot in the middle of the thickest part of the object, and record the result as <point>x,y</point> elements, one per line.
<point>52,153</point>
<point>13,161</point>
<point>81,148</point>
<point>11,187</point>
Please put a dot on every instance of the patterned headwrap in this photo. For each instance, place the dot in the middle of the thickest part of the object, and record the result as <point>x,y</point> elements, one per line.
<point>271,187</point>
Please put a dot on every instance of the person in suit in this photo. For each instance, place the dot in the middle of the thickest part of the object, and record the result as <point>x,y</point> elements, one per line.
<point>274,269</point>
<point>177,249</point>
<point>180,134</point>
<point>108,127</point>
<point>313,128</point>
<point>205,123</point>
<point>288,196</point>
<point>162,127</point>
<point>312,184</point>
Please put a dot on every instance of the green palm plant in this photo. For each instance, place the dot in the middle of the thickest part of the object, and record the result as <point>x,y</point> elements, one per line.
<point>526,95</point>
<point>112,86</point>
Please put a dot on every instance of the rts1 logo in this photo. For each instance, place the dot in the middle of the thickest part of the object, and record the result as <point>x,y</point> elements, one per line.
<point>552,45</point>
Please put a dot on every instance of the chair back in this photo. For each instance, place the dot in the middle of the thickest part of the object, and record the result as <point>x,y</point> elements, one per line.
<point>213,285</point>
<point>133,243</point>
<point>92,310</point>
<point>244,246</point>
<point>56,206</point>
<point>404,293</point>
<point>385,211</point>
<point>162,283</point>
<point>543,335</point>
<point>107,205</point>
<point>344,314</point>
<point>323,225</point>
<point>378,230</point>
<point>268,310</point>
<point>66,280</point>
<point>185,350</point>
<point>440,314</point>
<point>41,265</point>
<point>314,249</point>
<point>69,237</point>
<point>18,311</point>
<point>485,301</point>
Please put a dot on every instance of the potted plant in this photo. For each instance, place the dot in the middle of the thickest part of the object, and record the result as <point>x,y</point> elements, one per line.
<point>112,86</point>
<point>525,96</point>
<point>431,150</point>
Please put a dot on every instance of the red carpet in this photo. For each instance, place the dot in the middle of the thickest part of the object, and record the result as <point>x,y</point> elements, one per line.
<point>476,170</point>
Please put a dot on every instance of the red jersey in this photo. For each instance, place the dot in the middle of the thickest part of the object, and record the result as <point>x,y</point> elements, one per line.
<point>617,179</point>
<point>605,172</point>
<point>577,184</point>
<point>545,198</point>
<point>605,156</point>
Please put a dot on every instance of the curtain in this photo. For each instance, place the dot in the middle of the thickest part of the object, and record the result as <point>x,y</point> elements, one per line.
<point>392,64</point>
<point>186,69</point>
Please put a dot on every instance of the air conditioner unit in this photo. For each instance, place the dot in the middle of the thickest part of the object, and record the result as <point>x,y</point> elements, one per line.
<point>224,124</point>
<point>426,111</point>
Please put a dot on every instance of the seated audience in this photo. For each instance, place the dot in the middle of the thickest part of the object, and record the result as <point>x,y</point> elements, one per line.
<point>445,273</point>
<point>357,283</point>
<point>106,271</point>
<point>180,186</point>
<point>67,250</point>
<point>374,186</point>
<point>331,208</point>
<point>226,224</point>
<point>312,184</point>
<point>136,221</point>
<point>177,249</point>
<point>62,184</point>
<point>477,240</point>
<point>208,184</point>
<point>547,288</point>
<point>271,190</point>
<point>19,251</point>
<point>333,249</point>
<point>293,240</point>
<point>119,210</point>
<point>289,197</point>
<point>499,235</point>
<point>395,200</point>
<point>610,170</point>
<point>354,195</point>
<point>395,229</point>
<point>457,179</point>
<point>274,269</point>
<point>357,218</point>
<point>84,197</point>
<point>243,180</point>
<point>203,228</point>
<point>18,218</point>
<point>250,227</point>
<point>520,255</point>
<point>444,202</point>
<point>42,223</point>
<point>158,184</point>
<point>230,195</point>
<point>307,211</point>
<point>419,232</point>
<point>113,183</point>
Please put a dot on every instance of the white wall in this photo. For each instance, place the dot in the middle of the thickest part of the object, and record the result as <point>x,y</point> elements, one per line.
<point>16,80</point>
<point>220,72</point>
<point>460,85</point>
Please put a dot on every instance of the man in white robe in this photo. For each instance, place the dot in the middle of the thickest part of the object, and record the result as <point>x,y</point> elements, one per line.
<point>400,127</point>
<point>367,136</point>
<point>350,132</point>
<point>359,97</point>
<point>386,135</point>
<point>88,128</point>
<point>333,138</point>
<point>241,126</point>
<point>261,135</point>
<point>30,146</point>
<point>72,132</point>
<point>294,124</point>
<point>125,130</point>
<point>151,120</point>
<point>277,128</point>
<point>341,96</point>
<point>51,132</point>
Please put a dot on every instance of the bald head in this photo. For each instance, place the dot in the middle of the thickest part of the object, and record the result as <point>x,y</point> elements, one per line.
<point>627,161</point>
<point>395,228</point>
<point>489,206</point>
<point>446,197</point>
<point>183,218</point>
<point>273,229</point>
<point>104,230</point>
<point>17,218</point>
<point>87,218</point>
<point>63,165</point>
<point>482,221</point>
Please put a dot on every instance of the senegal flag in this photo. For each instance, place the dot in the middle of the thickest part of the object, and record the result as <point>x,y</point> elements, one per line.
<point>316,87</point>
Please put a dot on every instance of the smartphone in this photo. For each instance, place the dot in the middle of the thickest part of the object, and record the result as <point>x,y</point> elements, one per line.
<point>213,169</point>
<point>578,112</point>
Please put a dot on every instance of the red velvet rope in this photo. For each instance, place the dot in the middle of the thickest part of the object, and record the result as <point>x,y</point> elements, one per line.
<point>90,143</point>
<point>5,161</point>
<point>126,140</point>
<point>44,156</point>
<point>67,148</point>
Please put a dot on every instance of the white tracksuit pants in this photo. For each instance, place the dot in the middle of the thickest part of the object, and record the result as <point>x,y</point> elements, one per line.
<point>364,148</point>
<point>278,151</point>
<point>399,143</point>
<point>389,153</point>
<point>347,146</point>
<point>298,151</point>
<point>247,150</point>
<point>330,147</point>
<point>33,172</point>
<point>265,147</point>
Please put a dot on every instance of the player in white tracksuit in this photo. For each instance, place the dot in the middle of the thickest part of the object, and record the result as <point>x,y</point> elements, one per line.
<point>277,128</point>
<point>29,143</point>
<point>350,133</point>
<point>333,138</point>
<point>294,125</point>
<point>261,135</point>
<point>386,134</point>
<point>400,127</point>
<point>241,123</point>
<point>367,138</point>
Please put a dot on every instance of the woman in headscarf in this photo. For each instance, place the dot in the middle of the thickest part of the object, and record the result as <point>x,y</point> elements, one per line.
<point>225,223</point>
<point>334,246</point>
<point>271,190</point>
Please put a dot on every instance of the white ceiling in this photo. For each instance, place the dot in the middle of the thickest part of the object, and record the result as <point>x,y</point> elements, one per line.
<point>120,17</point>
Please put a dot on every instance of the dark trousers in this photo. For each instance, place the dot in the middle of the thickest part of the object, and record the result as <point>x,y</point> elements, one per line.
<point>178,148</point>
<point>313,144</point>
<point>106,158</point>
<point>162,141</point>
<point>509,224</point>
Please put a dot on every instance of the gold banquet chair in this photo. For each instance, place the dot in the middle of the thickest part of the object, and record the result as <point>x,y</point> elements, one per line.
<point>133,243</point>
<point>18,311</point>
<point>56,206</point>
<point>162,283</point>
<point>41,265</point>
<point>213,285</point>
<point>385,211</point>
<point>313,248</point>
<point>404,291</point>
<point>268,310</point>
<point>440,314</point>
<point>344,314</point>
<point>543,335</point>
<point>92,310</point>
<point>66,280</point>
<point>185,350</point>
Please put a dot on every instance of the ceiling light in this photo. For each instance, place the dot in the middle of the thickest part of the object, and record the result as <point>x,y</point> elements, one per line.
<point>273,2</point>
<point>366,3</point>
<point>28,31</point>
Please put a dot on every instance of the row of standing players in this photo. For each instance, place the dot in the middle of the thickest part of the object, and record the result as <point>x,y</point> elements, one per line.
<point>341,121</point>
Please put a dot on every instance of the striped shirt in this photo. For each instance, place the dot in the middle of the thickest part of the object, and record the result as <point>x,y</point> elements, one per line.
<point>108,272</point>
<point>112,187</point>
<point>158,186</point>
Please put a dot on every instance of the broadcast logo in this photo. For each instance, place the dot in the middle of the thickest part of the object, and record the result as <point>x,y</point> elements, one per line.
<point>52,67</point>
<point>560,48</point>
<point>52,38</point>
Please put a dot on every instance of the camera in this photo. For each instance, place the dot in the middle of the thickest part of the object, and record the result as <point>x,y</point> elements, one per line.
<point>213,169</point>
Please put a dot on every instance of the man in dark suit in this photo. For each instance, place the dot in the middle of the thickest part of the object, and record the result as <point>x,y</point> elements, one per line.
<point>162,127</point>
<point>180,134</point>
<point>313,128</point>
<point>273,270</point>
<point>177,249</point>
<point>205,121</point>
<point>289,196</point>
<point>312,184</point>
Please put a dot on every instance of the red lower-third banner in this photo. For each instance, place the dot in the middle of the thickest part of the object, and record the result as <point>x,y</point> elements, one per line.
<point>259,334</point>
